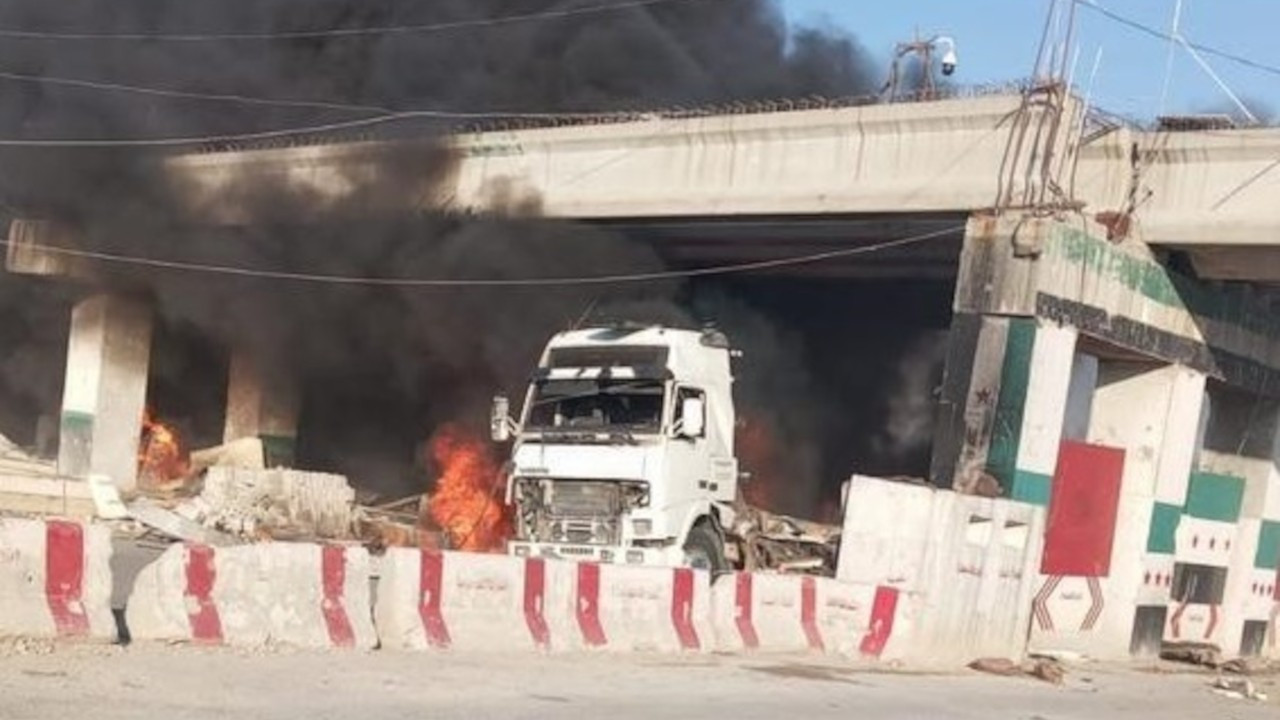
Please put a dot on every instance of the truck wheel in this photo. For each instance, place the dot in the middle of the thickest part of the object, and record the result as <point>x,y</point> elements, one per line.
<point>704,550</point>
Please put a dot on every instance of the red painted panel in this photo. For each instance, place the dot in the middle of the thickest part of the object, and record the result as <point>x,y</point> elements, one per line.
<point>1082,511</point>
<point>883,609</point>
<point>333,575</point>
<point>202,574</point>
<point>535,580</point>
<point>588,609</point>
<point>809,612</point>
<point>682,608</point>
<point>430,585</point>
<point>742,603</point>
<point>64,577</point>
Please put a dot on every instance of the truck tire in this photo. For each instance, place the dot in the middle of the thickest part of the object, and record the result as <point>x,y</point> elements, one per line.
<point>704,550</point>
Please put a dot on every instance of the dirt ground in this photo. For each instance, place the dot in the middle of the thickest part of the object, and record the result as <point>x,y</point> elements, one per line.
<point>41,681</point>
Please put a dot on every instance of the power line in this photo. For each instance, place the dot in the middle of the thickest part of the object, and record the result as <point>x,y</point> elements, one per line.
<point>307,129</point>
<point>191,95</point>
<point>1160,34</point>
<point>14,33</point>
<point>352,280</point>
<point>206,139</point>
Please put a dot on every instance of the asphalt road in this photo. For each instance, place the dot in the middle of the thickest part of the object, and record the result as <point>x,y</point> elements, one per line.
<point>189,684</point>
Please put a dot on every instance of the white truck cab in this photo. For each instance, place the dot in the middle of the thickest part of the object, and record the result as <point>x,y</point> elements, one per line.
<point>624,450</point>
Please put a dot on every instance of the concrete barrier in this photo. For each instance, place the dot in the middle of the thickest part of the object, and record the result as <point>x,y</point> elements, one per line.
<point>964,567</point>
<point>628,608</point>
<point>55,580</point>
<point>756,612</point>
<point>440,600</point>
<point>304,595</point>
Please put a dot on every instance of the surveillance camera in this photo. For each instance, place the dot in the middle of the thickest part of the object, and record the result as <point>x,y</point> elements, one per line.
<point>949,62</point>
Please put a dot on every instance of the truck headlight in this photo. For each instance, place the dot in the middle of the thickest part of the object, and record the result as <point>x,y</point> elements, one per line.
<point>635,494</point>
<point>641,527</point>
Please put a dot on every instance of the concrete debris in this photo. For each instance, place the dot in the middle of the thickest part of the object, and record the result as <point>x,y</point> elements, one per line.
<point>272,504</point>
<point>1203,654</point>
<point>1046,669</point>
<point>1237,689</point>
<point>106,498</point>
<point>245,453</point>
<point>996,666</point>
<point>765,541</point>
<point>1049,671</point>
<point>173,525</point>
<point>1246,666</point>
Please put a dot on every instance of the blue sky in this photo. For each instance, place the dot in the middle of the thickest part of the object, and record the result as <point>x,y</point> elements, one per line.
<point>997,40</point>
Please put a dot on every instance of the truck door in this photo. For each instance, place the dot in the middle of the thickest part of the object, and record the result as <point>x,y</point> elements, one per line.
<point>689,466</point>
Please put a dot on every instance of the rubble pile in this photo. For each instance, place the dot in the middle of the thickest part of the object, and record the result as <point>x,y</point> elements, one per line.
<point>277,504</point>
<point>767,541</point>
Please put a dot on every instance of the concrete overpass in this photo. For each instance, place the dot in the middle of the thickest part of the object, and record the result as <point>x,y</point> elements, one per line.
<point>1207,193</point>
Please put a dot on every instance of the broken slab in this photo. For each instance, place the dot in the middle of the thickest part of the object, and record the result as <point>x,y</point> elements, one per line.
<point>274,503</point>
<point>35,495</point>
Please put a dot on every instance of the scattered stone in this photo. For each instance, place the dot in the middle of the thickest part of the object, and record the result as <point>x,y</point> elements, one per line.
<point>996,666</point>
<point>1203,654</point>
<point>1244,666</point>
<point>1046,669</point>
<point>1050,671</point>
<point>1237,689</point>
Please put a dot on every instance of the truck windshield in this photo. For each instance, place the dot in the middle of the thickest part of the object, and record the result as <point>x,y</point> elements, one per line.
<point>596,404</point>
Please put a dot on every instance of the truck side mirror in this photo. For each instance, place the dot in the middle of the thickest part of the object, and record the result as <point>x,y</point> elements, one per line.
<point>500,419</point>
<point>692,417</point>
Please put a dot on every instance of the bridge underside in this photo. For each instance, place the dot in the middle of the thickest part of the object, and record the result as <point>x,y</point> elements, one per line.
<point>923,246</point>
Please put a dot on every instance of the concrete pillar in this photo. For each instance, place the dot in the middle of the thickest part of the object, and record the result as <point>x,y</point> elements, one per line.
<point>262,402</point>
<point>105,392</point>
<point>967,406</point>
<point>1239,461</point>
<point>1152,412</point>
<point>1033,407</point>
<point>1006,395</point>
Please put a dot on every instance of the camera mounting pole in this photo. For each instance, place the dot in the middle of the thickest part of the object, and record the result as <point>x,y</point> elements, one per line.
<point>924,50</point>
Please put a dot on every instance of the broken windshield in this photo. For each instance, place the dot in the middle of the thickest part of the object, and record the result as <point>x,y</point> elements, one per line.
<point>593,404</point>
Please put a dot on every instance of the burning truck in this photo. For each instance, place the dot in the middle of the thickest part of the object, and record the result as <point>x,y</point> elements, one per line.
<point>624,453</point>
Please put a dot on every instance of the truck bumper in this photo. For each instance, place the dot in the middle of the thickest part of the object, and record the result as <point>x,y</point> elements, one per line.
<point>661,557</point>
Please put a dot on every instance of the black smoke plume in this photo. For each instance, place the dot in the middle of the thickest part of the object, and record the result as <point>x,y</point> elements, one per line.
<point>380,367</point>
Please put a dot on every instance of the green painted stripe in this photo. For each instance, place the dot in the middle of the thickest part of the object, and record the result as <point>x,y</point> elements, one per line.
<point>1161,537</point>
<point>1215,497</point>
<point>1268,557</point>
<point>1031,488</point>
<point>1015,375</point>
<point>1156,283</point>
<point>279,450</point>
<point>76,419</point>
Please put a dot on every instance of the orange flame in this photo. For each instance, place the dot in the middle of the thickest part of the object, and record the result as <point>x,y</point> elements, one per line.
<point>467,502</point>
<point>160,454</point>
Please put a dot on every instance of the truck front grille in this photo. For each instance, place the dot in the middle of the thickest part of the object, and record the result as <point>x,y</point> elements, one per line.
<point>582,512</point>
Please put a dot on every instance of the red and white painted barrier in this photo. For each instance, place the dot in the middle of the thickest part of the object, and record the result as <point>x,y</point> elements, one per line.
<point>440,600</point>
<point>55,579</point>
<point>619,607</point>
<point>791,613</point>
<point>305,595</point>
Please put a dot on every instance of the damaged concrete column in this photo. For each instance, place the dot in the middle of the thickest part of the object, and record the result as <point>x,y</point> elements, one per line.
<point>262,402</point>
<point>1011,393</point>
<point>1152,412</point>
<point>1238,467</point>
<point>104,395</point>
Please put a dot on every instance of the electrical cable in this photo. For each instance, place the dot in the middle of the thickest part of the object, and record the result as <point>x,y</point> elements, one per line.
<point>1160,34</point>
<point>307,129</point>
<point>14,33</point>
<point>616,279</point>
